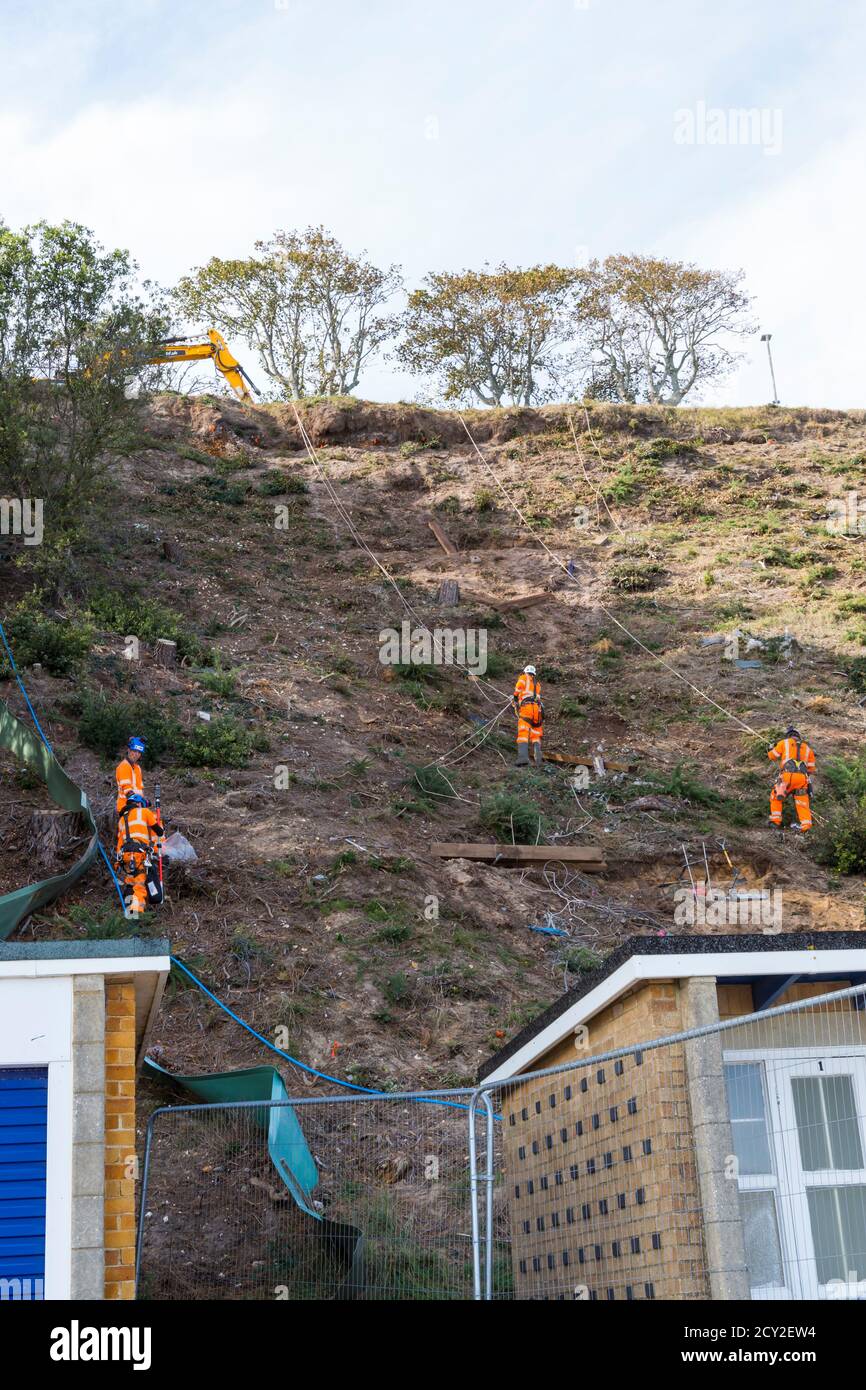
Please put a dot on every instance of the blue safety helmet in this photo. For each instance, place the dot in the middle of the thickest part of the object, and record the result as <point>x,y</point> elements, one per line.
<point>135,799</point>
<point>136,745</point>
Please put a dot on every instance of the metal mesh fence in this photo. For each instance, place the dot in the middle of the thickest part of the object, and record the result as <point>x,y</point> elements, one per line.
<point>391,1204</point>
<point>723,1162</point>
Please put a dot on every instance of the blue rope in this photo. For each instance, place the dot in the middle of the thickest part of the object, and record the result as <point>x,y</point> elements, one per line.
<point>311,1071</point>
<point>323,1076</point>
<point>42,735</point>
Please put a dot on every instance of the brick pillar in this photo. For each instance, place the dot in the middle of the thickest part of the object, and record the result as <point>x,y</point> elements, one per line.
<point>119,1140</point>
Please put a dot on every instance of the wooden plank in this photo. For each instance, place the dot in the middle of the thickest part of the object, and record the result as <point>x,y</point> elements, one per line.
<point>588,856</point>
<point>447,545</point>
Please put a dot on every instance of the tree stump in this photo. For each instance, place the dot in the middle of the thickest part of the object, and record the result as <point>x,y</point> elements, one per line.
<point>49,836</point>
<point>165,653</point>
<point>172,553</point>
<point>449,592</point>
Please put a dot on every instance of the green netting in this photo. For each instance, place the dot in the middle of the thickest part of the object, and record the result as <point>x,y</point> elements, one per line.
<point>30,750</point>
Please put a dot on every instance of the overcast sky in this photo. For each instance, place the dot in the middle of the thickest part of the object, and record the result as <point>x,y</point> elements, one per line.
<point>453,132</point>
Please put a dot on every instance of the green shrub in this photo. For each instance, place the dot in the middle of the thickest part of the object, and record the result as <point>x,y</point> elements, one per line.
<point>846,779</point>
<point>219,743</point>
<point>275,483</point>
<point>431,783</point>
<point>126,611</point>
<point>218,682</point>
<point>397,989</point>
<point>34,637</point>
<point>512,818</point>
<point>106,724</point>
<point>484,500</point>
<point>221,490</point>
<point>571,707</point>
<point>635,576</point>
<point>582,960</point>
<point>661,448</point>
<point>841,838</point>
<point>623,487</point>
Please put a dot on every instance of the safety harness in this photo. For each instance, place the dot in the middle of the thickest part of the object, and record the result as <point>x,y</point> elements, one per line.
<point>535,721</point>
<point>797,764</point>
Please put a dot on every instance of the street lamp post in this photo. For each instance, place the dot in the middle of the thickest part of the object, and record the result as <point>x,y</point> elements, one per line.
<point>765,338</point>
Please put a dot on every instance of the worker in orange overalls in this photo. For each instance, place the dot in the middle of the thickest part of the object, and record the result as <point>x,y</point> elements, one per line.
<point>139,832</point>
<point>796,764</point>
<point>530,716</point>
<point>128,772</point>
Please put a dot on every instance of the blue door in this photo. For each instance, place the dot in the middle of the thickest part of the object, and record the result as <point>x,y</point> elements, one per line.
<point>23,1150</point>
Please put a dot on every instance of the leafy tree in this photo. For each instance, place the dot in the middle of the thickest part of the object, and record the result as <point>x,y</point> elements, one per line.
<point>72,335</point>
<point>314,313</point>
<point>497,336</point>
<point>655,329</point>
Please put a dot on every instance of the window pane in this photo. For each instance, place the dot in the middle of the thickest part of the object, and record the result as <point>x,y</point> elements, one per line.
<point>745,1087</point>
<point>838,1218</point>
<point>761,1237</point>
<point>827,1124</point>
<point>745,1091</point>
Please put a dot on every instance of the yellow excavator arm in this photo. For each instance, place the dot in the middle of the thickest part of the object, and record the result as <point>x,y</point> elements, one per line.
<point>216,347</point>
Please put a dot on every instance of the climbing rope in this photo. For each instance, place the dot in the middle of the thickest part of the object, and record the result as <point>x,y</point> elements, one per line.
<point>562,565</point>
<point>359,540</point>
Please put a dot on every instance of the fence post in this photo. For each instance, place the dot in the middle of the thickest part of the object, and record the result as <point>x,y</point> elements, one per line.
<point>489,1178</point>
<point>473,1197</point>
<point>143,1194</point>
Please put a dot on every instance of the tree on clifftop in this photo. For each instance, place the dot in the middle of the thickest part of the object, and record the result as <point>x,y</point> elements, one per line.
<point>314,313</point>
<point>73,332</point>
<point>655,329</point>
<point>496,336</point>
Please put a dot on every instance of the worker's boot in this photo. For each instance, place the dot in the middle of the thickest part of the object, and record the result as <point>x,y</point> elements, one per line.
<point>537,756</point>
<point>523,754</point>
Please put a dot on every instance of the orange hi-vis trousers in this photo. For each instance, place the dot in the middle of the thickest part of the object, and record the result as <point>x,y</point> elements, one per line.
<point>530,713</point>
<point>794,784</point>
<point>136,879</point>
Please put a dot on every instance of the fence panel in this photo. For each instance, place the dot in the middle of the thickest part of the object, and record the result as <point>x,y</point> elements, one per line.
<point>393,1192</point>
<point>724,1162</point>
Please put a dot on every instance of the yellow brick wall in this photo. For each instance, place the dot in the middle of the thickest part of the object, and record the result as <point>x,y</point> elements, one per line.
<point>602,1188</point>
<point>119,1140</point>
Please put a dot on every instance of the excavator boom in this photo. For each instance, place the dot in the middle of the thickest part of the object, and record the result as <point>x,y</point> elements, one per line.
<point>216,347</point>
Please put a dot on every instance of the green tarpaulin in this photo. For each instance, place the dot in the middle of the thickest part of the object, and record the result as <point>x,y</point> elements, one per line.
<point>31,751</point>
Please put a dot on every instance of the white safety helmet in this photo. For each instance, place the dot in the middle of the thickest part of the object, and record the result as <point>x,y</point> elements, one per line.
<point>529,670</point>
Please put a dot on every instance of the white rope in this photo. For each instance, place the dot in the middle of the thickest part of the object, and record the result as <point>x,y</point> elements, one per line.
<point>672,669</point>
<point>359,540</point>
<point>485,729</point>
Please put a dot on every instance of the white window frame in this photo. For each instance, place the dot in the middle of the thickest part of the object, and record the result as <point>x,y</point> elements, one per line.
<point>792,1213</point>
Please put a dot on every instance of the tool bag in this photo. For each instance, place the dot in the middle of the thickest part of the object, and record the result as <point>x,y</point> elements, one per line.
<point>152,885</point>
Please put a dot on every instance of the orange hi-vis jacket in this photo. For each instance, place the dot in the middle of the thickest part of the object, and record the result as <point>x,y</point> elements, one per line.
<point>527,697</point>
<point>794,759</point>
<point>129,779</point>
<point>139,827</point>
